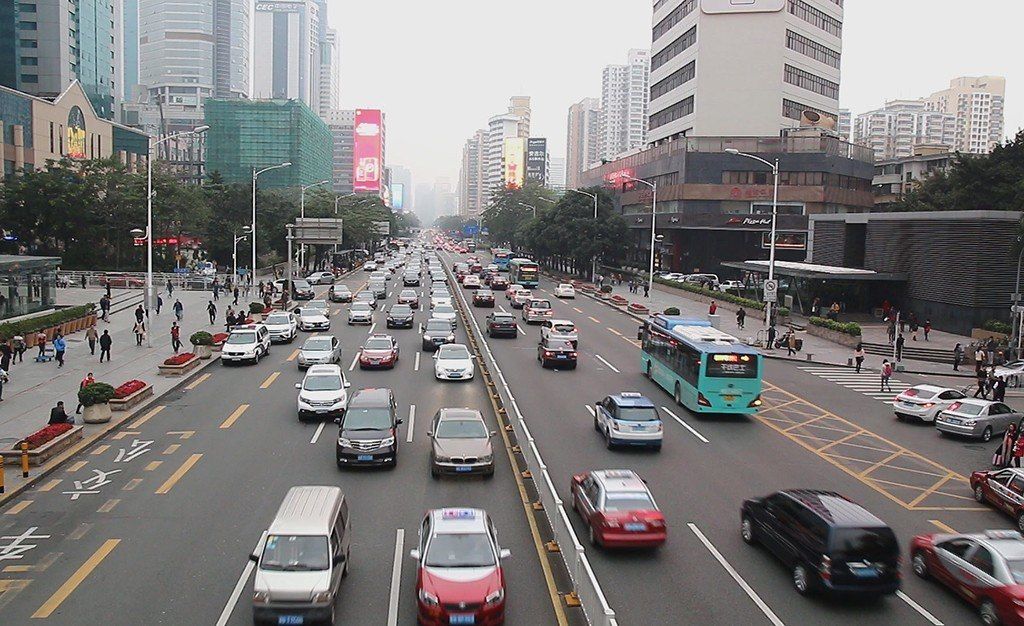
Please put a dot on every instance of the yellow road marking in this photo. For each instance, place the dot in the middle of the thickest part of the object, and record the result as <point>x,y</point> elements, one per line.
<point>182,434</point>
<point>942,526</point>
<point>79,532</point>
<point>153,465</point>
<point>100,449</point>
<point>19,507</point>
<point>125,433</point>
<point>838,441</point>
<point>927,492</point>
<point>12,586</point>
<point>15,569</point>
<point>268,382</point>
<point>132,484</point>
<point>594,319</point>
<point>577,309</point>
<point>50,484</point>
<point>76,579</point>
<point>109,505</point>
<point>295,353</point>
<point>614,331</point>
<point>178,473</point>
<point>77,465</point>
<point>199,381</point>
<point>807,423</point>
<point>145,418</point>
<point>171,449</point>
<point>234,416</point>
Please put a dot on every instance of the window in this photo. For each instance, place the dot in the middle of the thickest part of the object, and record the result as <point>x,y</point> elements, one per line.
<point>29,79</point>
<point>25,7</point>
<point>956,547</point>
<point>813,49</point>
<point>811,82</point>
<point>673,18</point>
<point>29,43</point>
<point>673,80</point>
<point>794,110</point>
<point>674,112</point>
<point>51,136</point>
<point>674,49</point>
<point>982,559</point>
<point>29,61</point>
<point>815,17</point>
<point>26,26</point>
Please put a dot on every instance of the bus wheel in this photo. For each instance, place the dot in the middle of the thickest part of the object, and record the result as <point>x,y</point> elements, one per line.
<point>647,373</point>
<point>679,400</point>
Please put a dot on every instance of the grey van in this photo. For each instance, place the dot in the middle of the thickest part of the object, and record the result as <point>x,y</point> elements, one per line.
<point>302,558</point>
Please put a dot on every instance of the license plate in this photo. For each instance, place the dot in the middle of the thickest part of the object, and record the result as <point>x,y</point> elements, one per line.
<point>864,571</point>
<point>463,468</point>
<point>364,457</point>
<point>729,398</point>
<point>909,405</point>
<point>290,619</point>
<point>321,410</point>
<point>453,375</point>
<point>462,618</point>
<point>562,356</point>
<point>953,420</point>
<point>639,427</point>
<point>635,527</point>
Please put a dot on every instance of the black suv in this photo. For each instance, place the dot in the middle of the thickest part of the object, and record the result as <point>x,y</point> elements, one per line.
<point>400,316</point>
<point>502,325</point>
<point>828,542</point>
<point>369,430</point>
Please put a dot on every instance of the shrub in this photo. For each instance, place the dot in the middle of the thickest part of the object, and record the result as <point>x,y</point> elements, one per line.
<point>128,389</point>
<point>33,325</point>
<point>848,328</point>
<point>606,288</point>
<point>672,311</point>
<point>723,297</point>
<point>178,359</point>
<point>44,436</point>
<point>997,326</point>
<point>96,393</point>
<point>256,307</point>
<point>201,338</point>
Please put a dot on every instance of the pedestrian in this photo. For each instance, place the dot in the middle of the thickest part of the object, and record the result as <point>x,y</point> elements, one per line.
<point>979,359</point>
<point>834,312</point>
<point>958,357</point>
<point>982,390</point>
<point>229,317</point>
<point>41,342</point>
<point>903,322</point>
<point>179,310</point>
<point>1018,452</point>
<point>175,337</point>
<point>4,377</point>
<point>105,308</point>
<point>886,374</point>
<point>159,303</point>
<point>19,346</point>
<point>713,308</point>
<point>647,290</point>
<point>140,331</point>
<point>1004,453</point>
<point>170,288</point>
<point>59,346</point>
<point>899,347</point>
<point>891,330</point>
<point>140,313</point>
<point>59,416</point>
<point>816,308</point>
<point>236,292</point>
<point>105,342</point>
<point>83,281</point>
<point>927,328</point>
<point>88,380</point>
<point>108,289</point>
<point>791,343</point>
<point>741,316</point>
<point>771,337</point>
<point>212,310</point>
<point>913,329</point>
<point>216,290</point>
<point>91,335</point>
<point>999,389</point>
<point>858,356</point>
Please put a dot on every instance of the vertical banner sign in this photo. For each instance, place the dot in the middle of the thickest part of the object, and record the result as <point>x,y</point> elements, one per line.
<point>397,196</point>
<point>367,151</point>
<point>76,133</point>
<point>515,162</point>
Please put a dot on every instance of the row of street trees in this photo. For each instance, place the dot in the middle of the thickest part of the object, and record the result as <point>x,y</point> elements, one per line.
<point>83,211</point>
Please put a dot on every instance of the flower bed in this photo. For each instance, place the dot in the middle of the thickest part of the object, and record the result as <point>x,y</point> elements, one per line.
<point>636,307</point>
<point>219,338</point>
<point>720,296</point>
<point>130,395</point>
<point>49,442</point>
<point>44,436</point>
<point>180,359</point>
<point>179,364</point>
<point>128,388</point>
<point>848,328</point>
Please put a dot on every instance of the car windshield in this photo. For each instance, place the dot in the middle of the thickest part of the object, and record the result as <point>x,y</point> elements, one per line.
<point>311,312</point>
<point>453,352</point>
<point>401,309</point>
<point>408,293</point>
<point>1016,568</point>
<point>461,429</point>
<point>317,304</point>
<point>322,383</point>
<point>485,293</point>
<point>367,418</point>
<point>638,414</point>
<point>564,328</point>
<point>855,544</point>
<point>341,289</point>
<point>360,306</point>
<point>363,295</point>
<point>628,502</point>
<point>278,318</point>
<point>378,344</point>
<point>459,550</point>
<point>235,338</point>
<point>290,553</point>
<point>439,326</point>
<point>301,284</point>
<point>540,304</point>
<point>565,286</point>
<point>317,344</point>
<point>523,294</point>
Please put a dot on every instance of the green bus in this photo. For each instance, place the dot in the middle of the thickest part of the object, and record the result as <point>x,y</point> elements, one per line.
<point>705,369</point>
<point>523,272</point>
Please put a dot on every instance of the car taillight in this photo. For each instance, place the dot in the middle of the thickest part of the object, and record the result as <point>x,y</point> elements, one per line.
<point>825,568</point>
<point>701,400</point>
<point>572,354</point>
<point>929,405</point>
<point>656,523</point>
<point>755,402</point>
<point>549,353</point>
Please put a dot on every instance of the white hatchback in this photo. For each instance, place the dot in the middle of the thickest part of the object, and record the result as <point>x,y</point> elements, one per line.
<point>283,326</point>
<point>560,330</point>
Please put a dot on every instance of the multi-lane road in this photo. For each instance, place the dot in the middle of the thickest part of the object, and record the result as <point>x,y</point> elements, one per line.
<point>154,524</point>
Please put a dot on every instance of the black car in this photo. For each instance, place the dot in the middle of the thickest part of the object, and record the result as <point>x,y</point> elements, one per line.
<point>556,353</point>
<point>483,298</point>
<point>502,325</point>
<point>411,280</point>
<point>368,434</point>
<point>400,316</point>
<point>302,290</point>
<point>828,542</point>
<point>436,333</point>
<point>498,283</point>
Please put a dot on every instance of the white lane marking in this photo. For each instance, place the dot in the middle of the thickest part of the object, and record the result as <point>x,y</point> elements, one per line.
<point>411,427</point>
<point>685,425</point>
<point>225,615</point>
<point>355,359</point>
<point>316,435</point>
<point>613,368</point>
<point>591,409</point>
<point>389,294</point>
<point>772,617</point>
<point>372,326</point>
<point>502,309</point>
<point>520,329</point>
<point>416,364</point>
<point>920,609</point>
<point>396,578</point>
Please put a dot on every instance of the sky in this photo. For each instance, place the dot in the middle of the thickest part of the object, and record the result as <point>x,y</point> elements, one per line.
<point>440,69</point>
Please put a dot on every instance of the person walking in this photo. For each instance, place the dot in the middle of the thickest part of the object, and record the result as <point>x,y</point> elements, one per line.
<point>140,331</point>
<point>41,342</point>
<point>60,345</point>
<point>6,356</point>
<point>886,374</point>
<point>175,337</point>
<point>212,310</point>
<point>958,357</point>
<point>791,343</point>
<point>982,390</point>
<point>104,308</point>
<point>1004,453</point>
<point>140,313</point>
<point>927,328</point>
<point>108,289</point>
<point>899,347</point>
<point>19,346</point>
<point>216,290</point>
<point>105,342</point>
<point>91,335</point>
<point>235,292</point>
<point>858,356</point>
<point>179,310</point>
<point>713,308</point>
<point>979,359</point>
<point>913,329</point>
<point>999,389</point>
<point>83,281</point>
<point>88,380</point>
<point>741,317</point>
<point>647,290</point>
<point>1018,452</point>
<point>170,288</point>
<point>4,377</point>
<point>771,337</point>
<point>159,303</point>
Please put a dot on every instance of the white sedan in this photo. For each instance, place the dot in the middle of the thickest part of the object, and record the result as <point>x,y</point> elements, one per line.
<point>312,319</point>
<point>924,402</point>
<point>1012,372</point>
<point>565,290</point>
<point>453,362</point>
<point>444,312</point>
<point>370,266</point>
<point>320,278</point>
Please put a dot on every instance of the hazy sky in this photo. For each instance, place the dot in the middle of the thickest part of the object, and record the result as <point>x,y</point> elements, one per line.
<point>440,69</point>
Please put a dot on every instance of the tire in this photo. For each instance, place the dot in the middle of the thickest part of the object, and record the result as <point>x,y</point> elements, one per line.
<point>597,426</point>
<point>979,493</point>
<point>593,536</point>
<point>677,396</point>
<point>988,613</point>
<point>986,435</point>
<point>919,565</point>
<point>802,581</point>
<point>1020,520</point>
<point>608,440</point>
<point>747,531</point>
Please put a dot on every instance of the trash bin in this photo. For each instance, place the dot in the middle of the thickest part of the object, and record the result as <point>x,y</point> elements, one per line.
<point>799,345</point>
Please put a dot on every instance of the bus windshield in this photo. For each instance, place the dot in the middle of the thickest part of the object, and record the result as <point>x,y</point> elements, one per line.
<point>731,366</point>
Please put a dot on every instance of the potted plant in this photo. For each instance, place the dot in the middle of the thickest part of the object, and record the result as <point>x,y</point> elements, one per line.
<point>96,400</point>
<point>202,342</point>
<point>256,311</point>
<point>671,311</point>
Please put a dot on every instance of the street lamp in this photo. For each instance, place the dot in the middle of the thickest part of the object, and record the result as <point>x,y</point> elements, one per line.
<point>593,265</point>
<point>768,306</point>
<point>654,223</point>
<point>198,130</point>
<point>302,214</point>
<point>529,206</point>
<point>255,174</point>
<point>234,250</point>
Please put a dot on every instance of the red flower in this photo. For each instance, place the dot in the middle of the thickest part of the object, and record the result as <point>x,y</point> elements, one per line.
<point>128,388</point>
<point>219,338</point>
<point>179,359</point>
<point>44,435</point>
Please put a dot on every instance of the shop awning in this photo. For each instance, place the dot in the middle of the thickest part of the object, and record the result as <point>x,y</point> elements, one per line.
<point>814,271</point>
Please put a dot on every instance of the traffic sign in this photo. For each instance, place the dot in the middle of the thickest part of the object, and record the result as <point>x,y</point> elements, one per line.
<point>771,291</point>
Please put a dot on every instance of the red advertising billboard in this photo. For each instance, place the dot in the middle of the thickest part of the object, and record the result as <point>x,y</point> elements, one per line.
<point>368,150</point>
<point>621,180</point>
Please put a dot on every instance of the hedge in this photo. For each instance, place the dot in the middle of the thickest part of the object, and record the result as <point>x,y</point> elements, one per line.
<point>720,295</point>
<point>256,307</point>
<point>201,338</point>
<point>847,328</point>
<point>95,393</point>
<point>33,325</point>
<point>671,311</point>
<point>998,327</point>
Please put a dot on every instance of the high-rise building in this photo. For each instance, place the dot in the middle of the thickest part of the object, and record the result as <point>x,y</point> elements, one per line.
<point>288,64</point>
<point>624,96</point>
<point>894,130</point>
<point>520,106</point>
<point>583,140</point>
<point>342,125</point>
<point>330,83</point>
<point>978,103</point>
<point>538,165</point>
<point>400,175</point>
<point>845,127</point>
<point>471,175</point>
<point>556,179</point>
<point>757,67</point>
<point>46,45</point>
<point>499,128</point>
<point>129,44</point>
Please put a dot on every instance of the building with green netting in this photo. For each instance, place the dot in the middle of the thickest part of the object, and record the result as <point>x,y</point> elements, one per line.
<point>247,134</point>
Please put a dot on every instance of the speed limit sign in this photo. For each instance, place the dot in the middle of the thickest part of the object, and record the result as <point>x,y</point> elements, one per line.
<point>771,291</point>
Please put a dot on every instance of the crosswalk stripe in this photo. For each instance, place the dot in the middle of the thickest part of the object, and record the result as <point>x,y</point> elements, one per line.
<point>865,383</point>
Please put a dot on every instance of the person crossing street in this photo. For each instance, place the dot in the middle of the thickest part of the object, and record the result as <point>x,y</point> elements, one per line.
<point>212,310</point>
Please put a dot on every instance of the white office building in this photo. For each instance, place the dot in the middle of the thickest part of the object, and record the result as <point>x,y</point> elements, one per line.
<point>342,124</point>
<point>582,140</point>
<point>894,130</point>
<point>287,58</point>
<point>977,102</point>
<point>330,66</point>
<point>556,177</point>
<point>726,68</point>
<point>471,175</point>
<point>624,95</point>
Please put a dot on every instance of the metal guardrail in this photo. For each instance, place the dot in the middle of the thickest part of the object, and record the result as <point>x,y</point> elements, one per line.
<point>136,280</point>
<point>584,581</point>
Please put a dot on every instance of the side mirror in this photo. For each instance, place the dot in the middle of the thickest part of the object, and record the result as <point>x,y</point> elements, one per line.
<point>504,553</point>
<point>430,433</point>
<point>337,421</point>
<point>399,421</point>
<point>492,433</point>
<point>298,385</point>
<point>435,356</point>
<point>347,384</point>
<point>414,555</point>
<point>254,557</point>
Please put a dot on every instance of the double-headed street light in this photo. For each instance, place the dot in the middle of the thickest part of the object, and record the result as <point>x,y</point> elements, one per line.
<point>593,264</point>
<point>302,214</point>
<point>768,306</point>
<point>654,224</point>
<point>255,174</point>
<point>529,206</point>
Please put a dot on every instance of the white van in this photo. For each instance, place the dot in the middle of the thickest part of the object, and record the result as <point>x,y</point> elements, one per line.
<point>302,558</point>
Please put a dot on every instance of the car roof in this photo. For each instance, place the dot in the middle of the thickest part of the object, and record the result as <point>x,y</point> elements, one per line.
<point>1008,543</point>
<point>620,481</point>
<point>561,321</point>
<point>458,520</point>
<point>834,508</point>
<point>323,369</point>
<point>632,399</point>
<point>977,402</point>
<point>460,414</point>
<point>932,388</point>
<point>370,396</point>
<point>307,511</point>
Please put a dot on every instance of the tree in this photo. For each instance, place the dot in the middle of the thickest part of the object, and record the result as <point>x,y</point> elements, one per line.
<point>506,211</point>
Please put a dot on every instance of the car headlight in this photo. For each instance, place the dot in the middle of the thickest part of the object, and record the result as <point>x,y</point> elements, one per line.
<point>303,402</point>
<point>442,459</point>
<point>338,401</point>
<point>322,597</point>
<point>261,597</point>
<point>302,359</point>
<point>387,441</point>
<point>486,458</point>
<point>344,443</point>
<point>495,596</point>
<point>428,598</point>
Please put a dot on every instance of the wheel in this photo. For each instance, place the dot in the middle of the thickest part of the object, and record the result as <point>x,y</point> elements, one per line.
<point>1020,521</point>
<point>678,397</point>
<point>986,434</point>
<point>593,536</point>
<point>489,475</point>
<point>608,439</point>
<point>979,493</point>
<point>597,426</point>
<point>919,564</point>
<point>801,579</point>
<point>747,530</point>
<point>989,615</point>
<point>434,473</point>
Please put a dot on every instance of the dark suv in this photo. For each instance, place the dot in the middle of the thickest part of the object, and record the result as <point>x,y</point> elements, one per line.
<point>502,325</point>
<point>828,542</point>
<point>369,430</point>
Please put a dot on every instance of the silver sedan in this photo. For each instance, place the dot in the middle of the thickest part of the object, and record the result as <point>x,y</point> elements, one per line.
<point>975,418</point>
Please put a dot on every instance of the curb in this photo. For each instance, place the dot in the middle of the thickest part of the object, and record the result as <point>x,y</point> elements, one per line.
<point>111,426</point>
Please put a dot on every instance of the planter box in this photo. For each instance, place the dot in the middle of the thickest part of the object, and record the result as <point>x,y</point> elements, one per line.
<point>46,451</point>
<point>636,307</point>
<point>203,352</point>
<point>97,413</point>
<point>217,347</point>
<point>981,333</point>
<point>178,370</point>
<point>833,335</point>
<point>131,400</point>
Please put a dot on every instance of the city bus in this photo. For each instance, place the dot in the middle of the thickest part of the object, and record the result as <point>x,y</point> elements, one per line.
<point>705,369</point>
<point>523,272</point>
<point>501,258</point>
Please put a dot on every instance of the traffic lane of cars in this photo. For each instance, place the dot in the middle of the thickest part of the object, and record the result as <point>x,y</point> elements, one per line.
<point>736,443</point>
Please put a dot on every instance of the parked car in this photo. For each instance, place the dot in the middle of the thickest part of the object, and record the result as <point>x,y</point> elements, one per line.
<point>730,285</point>
<point>975,418</point>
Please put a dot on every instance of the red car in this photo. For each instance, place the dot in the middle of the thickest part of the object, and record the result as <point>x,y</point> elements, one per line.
<point>459,579</point>
<point>986,569</point>
<point>498,283</point>
<point>618,509</point>
<point>379,351</point>
<point>1003,489</point>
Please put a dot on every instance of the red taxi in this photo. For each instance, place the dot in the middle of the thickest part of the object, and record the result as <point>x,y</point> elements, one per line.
<point>379,351</point>
<point>1003,489</point>
<point>618,509</point>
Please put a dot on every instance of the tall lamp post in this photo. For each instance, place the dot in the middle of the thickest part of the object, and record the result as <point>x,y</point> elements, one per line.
<point>593,265</point>
<point>768,306</point>
<point>234,251</point>
<point>654,224</point>
<point>1019,326</point>
<point>198,130</point>
<point>529,206</point>
<point>302,214</point>
<point>256,174</point>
